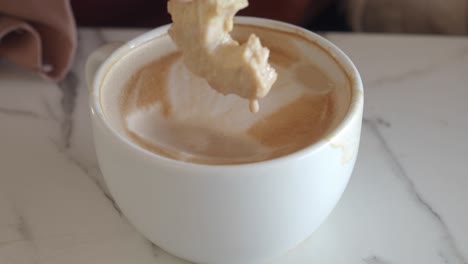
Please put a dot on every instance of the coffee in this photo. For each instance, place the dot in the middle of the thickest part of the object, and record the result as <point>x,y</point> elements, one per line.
<point>155,102</point>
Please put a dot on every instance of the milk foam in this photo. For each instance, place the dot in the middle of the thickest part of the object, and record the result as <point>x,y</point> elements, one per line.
<point>204,126</point>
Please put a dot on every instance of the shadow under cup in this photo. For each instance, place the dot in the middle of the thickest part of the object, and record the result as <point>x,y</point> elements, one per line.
<point>246,212</point>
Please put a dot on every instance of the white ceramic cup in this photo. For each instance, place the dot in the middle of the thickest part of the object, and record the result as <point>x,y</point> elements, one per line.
<point>246,213</point>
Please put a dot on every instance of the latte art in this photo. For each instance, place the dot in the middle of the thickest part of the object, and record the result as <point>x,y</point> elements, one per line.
<point>167,110</point>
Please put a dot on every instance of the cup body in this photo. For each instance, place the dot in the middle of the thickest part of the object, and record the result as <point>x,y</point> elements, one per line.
<point>244,213</point>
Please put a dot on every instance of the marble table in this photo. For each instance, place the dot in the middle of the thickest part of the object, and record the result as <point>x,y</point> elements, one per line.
<point>407,201</point>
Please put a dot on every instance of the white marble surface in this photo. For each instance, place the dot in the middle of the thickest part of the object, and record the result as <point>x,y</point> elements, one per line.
<point>406,201</point>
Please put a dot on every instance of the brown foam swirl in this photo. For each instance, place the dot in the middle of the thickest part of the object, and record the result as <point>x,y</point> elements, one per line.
<point>149,85</point>
<point>296,124</point>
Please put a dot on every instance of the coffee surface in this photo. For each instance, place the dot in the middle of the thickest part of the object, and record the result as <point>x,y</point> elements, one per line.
<point>167,110</point>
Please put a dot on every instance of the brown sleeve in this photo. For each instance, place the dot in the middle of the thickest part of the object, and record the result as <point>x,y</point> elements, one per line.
<point>38,35</point>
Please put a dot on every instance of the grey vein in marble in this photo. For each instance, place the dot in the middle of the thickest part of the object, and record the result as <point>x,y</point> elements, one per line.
<point>443,258</point>
<point>383,122</point>
<point>49,111</point>
<point>24,229</point>
<point>88,173</point>
<point>69,107</point>
<point>154,249</point>
<point>68,87</point>
<point>372,125</point>
<point>413,73</point>
<point>20,113</point>
<point>374,260</point>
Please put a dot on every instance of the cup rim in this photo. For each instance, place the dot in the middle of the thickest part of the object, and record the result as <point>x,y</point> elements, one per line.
<point>335,53</point>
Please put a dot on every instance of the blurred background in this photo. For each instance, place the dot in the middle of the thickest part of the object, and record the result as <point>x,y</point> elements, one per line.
<point>42,35</point>
<point>402,16</point>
